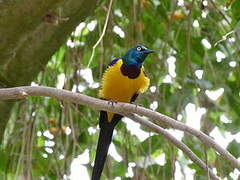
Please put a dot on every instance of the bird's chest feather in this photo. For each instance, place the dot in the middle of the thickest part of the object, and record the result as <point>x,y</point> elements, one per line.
<point>117,86</point>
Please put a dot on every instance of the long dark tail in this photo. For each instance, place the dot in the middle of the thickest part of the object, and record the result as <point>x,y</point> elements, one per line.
<point>104,140</point>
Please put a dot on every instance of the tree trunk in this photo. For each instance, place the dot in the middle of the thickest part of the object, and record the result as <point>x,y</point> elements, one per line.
<point>30,32</point>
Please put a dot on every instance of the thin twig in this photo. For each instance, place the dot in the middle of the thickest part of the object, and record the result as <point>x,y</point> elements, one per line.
<point>102,35</point>
<point>121,108</point>
<point>224,37</point>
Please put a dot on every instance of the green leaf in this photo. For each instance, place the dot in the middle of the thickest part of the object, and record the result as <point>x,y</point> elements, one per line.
<point>234,148</point>
<point>153,143</point>
<point>235,10</point>
<point>3,159</point>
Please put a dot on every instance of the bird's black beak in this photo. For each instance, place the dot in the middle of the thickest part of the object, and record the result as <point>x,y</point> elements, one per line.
<point>148,51</point>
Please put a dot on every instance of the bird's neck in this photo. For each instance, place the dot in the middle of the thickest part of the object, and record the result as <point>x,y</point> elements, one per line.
<point>131,70</point>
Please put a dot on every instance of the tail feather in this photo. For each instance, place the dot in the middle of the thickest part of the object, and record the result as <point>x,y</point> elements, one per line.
<point>104,140</point>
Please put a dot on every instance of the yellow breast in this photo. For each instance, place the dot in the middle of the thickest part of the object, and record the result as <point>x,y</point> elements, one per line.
<point>116,86</point>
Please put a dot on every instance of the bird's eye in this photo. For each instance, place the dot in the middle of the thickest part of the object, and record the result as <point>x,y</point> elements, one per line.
<point>139,48</point>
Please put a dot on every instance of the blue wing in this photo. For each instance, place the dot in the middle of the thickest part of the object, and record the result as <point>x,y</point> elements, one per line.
<point>113,62</point>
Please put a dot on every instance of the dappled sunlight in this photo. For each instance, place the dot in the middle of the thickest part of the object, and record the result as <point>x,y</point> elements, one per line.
<point>49,150</point>
<point>129,173</point>
<point>79,29</point>
<point>153,89</point>
<point>60,80</point>
<point>199,73</point>
<point>119,31</point>
<point>48,134</point>
<point>180,3</point>
<point>222,138</point>
<point>176,133</point>
<point>118,12</point>
<point>167,79</point>
<point>195,23</point>
<point>171,66</point>
<point>113,152</point>
<point>161,159</point>
<point>214,95</point>
<point>49,143</point>
<point>186,173</point>
<point>193,115</point>
<point>91,26</point>
<point>135,129</point>
<point>92,130</point>
<point>154,105</point>
<point>232,64</point>
<point>220,56</point>
<point>206,44</point>
<point>77,167</point>
<point>224,119</point>
<point>86,74</point>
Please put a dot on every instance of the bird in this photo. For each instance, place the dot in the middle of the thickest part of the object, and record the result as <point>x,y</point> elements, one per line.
<point>122,81</point>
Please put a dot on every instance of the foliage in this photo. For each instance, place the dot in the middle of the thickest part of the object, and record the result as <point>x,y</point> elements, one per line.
<point>199,39</point>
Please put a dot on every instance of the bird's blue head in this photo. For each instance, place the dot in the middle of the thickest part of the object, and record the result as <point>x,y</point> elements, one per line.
<point>136,56</point>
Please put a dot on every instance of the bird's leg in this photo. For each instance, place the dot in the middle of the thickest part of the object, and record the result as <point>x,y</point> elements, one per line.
<point>136,105</point>
<point>112,102</point>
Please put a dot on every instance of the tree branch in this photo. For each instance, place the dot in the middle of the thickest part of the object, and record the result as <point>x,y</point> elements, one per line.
<point>185,149</point>
<point>122,108</point>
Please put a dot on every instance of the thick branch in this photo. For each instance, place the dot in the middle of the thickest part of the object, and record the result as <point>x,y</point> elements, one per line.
<point>122,108</point>
<point>174,141</point>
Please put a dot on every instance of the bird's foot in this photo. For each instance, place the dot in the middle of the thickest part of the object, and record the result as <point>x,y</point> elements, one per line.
<point>112,102</point>
<point>136,105</point>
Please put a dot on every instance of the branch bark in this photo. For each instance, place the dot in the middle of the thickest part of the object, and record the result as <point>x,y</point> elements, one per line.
<point>121,108</point>
<point>36,31</point>
<point>185,149</point>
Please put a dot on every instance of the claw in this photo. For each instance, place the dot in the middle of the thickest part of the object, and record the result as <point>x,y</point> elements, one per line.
<point>112,102</point>
<point>136,105</point>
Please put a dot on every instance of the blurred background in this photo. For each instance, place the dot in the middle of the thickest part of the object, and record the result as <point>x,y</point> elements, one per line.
<point>195,78</point>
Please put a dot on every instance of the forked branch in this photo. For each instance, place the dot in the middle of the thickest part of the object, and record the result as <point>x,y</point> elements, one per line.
<point>121,108</point>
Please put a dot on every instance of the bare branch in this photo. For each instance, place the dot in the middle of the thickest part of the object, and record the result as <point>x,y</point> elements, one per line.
<point>121,108</point>
<point>174,141</point>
